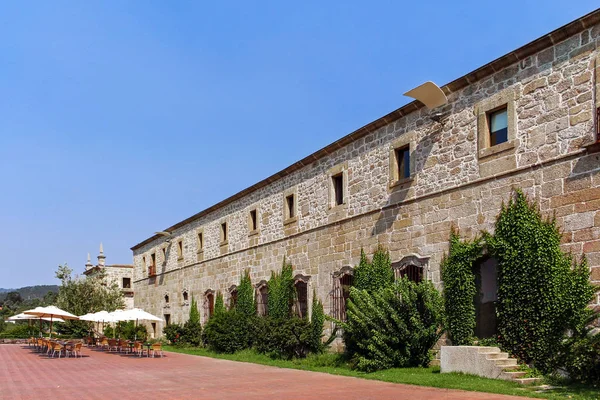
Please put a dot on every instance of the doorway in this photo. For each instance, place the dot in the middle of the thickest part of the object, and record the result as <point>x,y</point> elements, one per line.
<point>486,283</point>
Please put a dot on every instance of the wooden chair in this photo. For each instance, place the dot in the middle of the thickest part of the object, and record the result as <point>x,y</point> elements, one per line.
<point>157,348</point>
<point>57,347</point>
<point>123,346</point>
<point>74,349</point>
<point>113,344</point>
<point>104,343</point>
<point>138,348</point>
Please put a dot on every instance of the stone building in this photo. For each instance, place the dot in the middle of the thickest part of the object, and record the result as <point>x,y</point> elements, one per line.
<point>528,119</point>
<point>121,274</point>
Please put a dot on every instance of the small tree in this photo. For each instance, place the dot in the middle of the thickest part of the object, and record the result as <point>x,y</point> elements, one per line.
<point>219,303</point>
<point>281,292</point>
<point>372,276</point>
<point>192,329</point>
<point>245,300</point>
<point>317,319</point>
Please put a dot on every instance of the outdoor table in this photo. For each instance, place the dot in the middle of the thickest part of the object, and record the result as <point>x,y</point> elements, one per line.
<point>130,344</point>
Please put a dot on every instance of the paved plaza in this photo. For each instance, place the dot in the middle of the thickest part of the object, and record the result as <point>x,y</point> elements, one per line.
<point>99,375</point>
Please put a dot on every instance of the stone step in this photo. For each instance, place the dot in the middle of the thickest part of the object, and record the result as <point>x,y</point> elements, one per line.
<point>505,362</point>
<point>486,349</point>
<point>528,381</point>
<point>496,356</point>
<point>515,374</point>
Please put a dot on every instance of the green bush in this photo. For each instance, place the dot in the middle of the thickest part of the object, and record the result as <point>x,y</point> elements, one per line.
<point>228,332</point>
<point>19,331</point>
<point>174,333</point>
<point>281,292</point>
<point>580,355</point>
<point>540,295</point>
<point>219,304</point>
<point>317,319</point>
<point>192,329</point>
<point>459,288</point>
<point>245,300</point>
<point>372,276</point>
<point>395,326</point>
<point>285,338</point>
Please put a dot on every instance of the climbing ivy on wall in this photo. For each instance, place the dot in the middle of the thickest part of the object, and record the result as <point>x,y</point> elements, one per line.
<point>459,288</point>
<point>281,292</point>
<point>219,303</point>
<point>372,276</point>
<point>540,295</point>
<point>245,300</point>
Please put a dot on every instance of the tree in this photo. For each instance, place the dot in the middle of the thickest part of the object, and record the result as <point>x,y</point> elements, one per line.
<point>372,276</point>
<point>245,300</point>
<point>82,295</point>
<point>192,329</point>
<point>281,292</point>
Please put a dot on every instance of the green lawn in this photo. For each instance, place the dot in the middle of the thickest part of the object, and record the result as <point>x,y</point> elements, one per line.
<point>334,364</point>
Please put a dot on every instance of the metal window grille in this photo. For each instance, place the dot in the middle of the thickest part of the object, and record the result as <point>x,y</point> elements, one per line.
<point>411,271</point>
<point>340,295</point>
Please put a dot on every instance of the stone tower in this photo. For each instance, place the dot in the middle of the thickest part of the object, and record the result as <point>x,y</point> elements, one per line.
<point>101,257</point>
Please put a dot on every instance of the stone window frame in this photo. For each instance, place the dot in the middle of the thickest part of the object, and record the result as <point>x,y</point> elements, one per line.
<point>405,140</point>
<point>200,243</point>
<point>185,293</point>
<point>232,288</point>
<point>411,260</point>
<point>144,266</point>
<point>180,249</point>
<point>164,250</point>
<point>208,306</point>
<point>339,302</point>
<point>505,99</point>
<point>306,280</point>
<point>287,220</point>
<point>152,267</point>
<point>341,169</point>
<point>253,232</point>
<point>167,300</point>
<point>223,232</point>
<point>257,293</point>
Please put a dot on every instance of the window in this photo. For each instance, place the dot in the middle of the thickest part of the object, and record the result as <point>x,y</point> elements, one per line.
<point>167,298</point>
<point>301,303</point>
<point>338,189</point>
<point>289,206</point>
<point>180,250</point>
<point>152,264</point>
<point>200,241</point>
<point>223,232</point>
<point>209,304</point>
<point>144,264</point>
<point>262,299</point>
<point>342,282</point>
<point>167,319</point>
<point>253,221</point>
<point>126,283</point>
<point>185,295</point>
<point>164,254</point>
<point>411,271</point>
<point>498,125</point>
<point>233,296</point>
<point>403,162</point>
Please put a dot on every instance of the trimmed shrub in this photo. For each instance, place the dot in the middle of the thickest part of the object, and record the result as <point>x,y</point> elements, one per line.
<point>245,301</point>
<point>285,338</point>
<point>459,288</point>
<point>539,295</point>
<point>20,331</point>
<point>228,332</point>
<point>174,333</point>
<point>580,355</point>
<point>219,304</point>
<point>395,326</point>
<point>317,319</point>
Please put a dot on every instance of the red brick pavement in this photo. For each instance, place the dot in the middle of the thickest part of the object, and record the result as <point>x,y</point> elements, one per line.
<point>102,376</point>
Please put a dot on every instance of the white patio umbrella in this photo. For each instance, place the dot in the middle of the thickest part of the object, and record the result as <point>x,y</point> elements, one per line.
<point>137,314</point>
<point>51,312</point>
<point>23,317</point>
<point>98,317</point>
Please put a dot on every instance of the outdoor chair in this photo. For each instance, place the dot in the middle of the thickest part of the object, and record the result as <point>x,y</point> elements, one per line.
<point>113,344</point>
<point>57,347</point>
<point>104,343</point>
<point>74,349</point>
<point>138,348</point>
<point>157,348</point>
<point>123,345</point>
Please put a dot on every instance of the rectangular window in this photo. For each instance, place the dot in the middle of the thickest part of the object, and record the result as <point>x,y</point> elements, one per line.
<point>498,126</point>
<point>180,249</point>
<point>126,283</point>
<point>403,162</point>
<point>290,206</point>
<point>224,232</point>
<point>164,254</point>
<point>338,189</point>
<point>200,241</point>
<point>153,264</point>
<point>167,319</point>
<point>253,221</point>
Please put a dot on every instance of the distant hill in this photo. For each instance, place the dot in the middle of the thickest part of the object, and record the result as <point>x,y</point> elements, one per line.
<point>30,292</point>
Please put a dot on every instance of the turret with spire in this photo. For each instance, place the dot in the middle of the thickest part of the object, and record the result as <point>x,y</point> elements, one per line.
<point>101,257</point>
<point>88,264</point>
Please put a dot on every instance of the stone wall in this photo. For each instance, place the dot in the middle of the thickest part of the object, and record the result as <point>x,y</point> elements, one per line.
<point>455,179</point>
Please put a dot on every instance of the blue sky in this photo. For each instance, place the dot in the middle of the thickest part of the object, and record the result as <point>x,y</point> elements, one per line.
<point>121,118</point>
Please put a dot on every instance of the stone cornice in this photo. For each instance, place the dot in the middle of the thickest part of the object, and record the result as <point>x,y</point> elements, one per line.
<point>488,69</point>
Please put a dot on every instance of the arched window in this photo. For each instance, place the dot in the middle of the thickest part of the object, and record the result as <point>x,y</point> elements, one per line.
<point>233,296</point>
<point>412,267</point>
<point>342,281</point>
<point>185,295</point>
<point>262,298</point>
<point>166,298</point>
<point>209,304</point>
<point>301,296</point>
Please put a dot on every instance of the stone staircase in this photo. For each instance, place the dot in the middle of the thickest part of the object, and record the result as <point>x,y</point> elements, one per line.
<point>488,362</point>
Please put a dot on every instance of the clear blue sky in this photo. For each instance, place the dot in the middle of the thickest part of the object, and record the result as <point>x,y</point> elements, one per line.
<point>120,118</point>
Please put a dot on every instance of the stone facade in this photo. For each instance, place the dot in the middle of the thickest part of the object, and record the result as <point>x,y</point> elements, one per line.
<point>549,90</point>
<point>120,274</point>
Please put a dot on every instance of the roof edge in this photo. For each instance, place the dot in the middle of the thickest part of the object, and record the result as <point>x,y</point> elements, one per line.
<point>535,46</point>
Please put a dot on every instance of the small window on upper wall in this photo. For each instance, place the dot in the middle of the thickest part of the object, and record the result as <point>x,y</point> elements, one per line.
<point>126,283</point>
<point>290,206</point>
<point>403,162</point>
<point>338,189</point>
<point>185,296</point>
<point>180,250</point>
<point>164,254</point>
<point>253,221</point>
<point>498,125</point>
<point>200,241</point>
<point>224,232</point>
